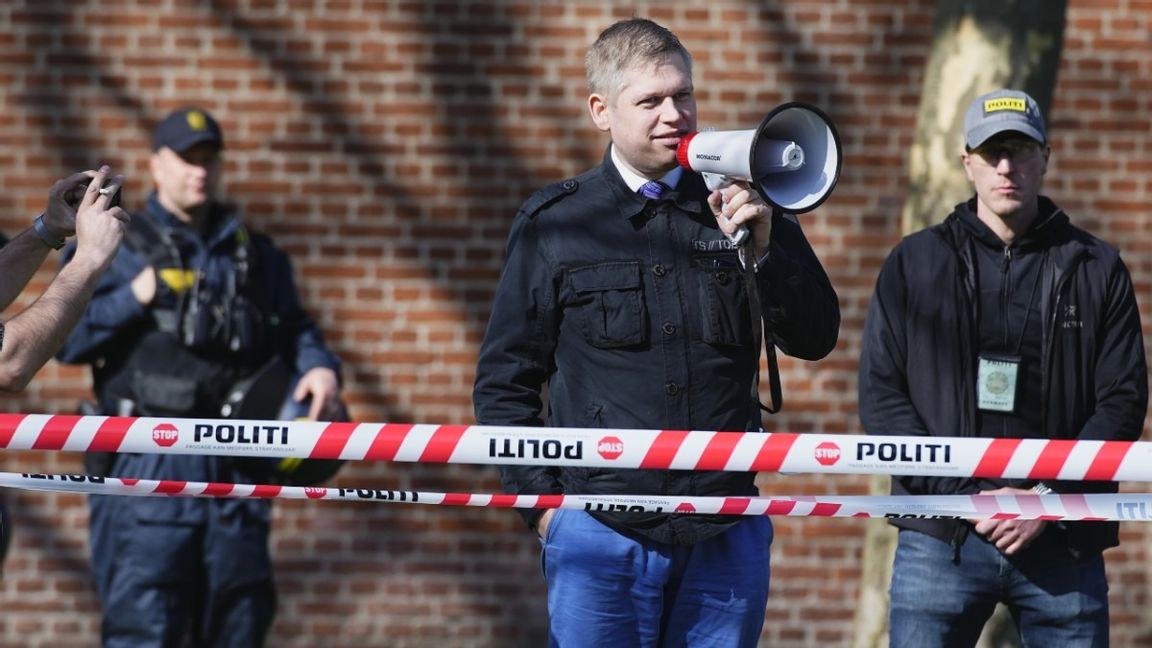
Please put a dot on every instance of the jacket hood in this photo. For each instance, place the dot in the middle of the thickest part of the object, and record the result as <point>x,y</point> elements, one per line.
<point>1049,220</point>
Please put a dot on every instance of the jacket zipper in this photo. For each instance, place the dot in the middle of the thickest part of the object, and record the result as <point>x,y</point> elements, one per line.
<point>1005,306</point>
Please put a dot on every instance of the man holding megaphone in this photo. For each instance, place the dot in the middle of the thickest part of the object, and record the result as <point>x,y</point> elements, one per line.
<point>623,294</point>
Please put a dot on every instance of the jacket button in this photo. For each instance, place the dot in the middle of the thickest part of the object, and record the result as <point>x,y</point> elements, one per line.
<point>659,270</point>
<point>669,328</point>
<point>671,388</point>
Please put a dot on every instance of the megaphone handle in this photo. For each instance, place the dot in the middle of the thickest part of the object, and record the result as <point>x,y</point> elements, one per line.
<point>716,182</point>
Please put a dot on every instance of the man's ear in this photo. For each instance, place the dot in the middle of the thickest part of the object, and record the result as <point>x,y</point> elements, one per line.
<point>598,108</point>
<point>966,160</point>
<point>154,164</point>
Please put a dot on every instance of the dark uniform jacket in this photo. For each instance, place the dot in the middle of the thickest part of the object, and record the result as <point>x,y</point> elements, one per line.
<point>633,313</point>
<point>918,365</point>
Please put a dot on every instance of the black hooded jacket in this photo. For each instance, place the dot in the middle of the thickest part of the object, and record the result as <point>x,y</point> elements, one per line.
<point>922,337</point>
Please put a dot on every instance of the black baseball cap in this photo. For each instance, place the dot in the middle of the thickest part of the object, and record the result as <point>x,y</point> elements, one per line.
<point>185,128</point>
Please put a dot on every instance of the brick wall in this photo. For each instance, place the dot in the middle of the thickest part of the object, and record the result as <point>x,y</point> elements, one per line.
<point>386,145</point>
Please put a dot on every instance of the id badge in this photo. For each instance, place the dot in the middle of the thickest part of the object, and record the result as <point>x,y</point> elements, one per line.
<point>996,383</point>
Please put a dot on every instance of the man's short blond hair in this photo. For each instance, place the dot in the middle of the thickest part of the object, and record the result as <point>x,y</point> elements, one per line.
<point>624,46</point>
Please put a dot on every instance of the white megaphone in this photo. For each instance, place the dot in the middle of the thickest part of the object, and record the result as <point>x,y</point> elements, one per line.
<point>792,159</point>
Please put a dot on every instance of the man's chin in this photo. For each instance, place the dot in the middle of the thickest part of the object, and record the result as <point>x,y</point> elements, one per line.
<point>197,201</point>
<point>664,163</point>
<point>1007,208</point>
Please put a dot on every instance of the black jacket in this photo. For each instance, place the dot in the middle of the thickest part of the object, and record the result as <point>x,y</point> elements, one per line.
<point>919,353</point>
<point>634,315</point>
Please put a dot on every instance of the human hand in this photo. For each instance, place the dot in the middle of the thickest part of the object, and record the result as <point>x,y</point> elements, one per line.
<point>99,227</point>
<point>544,522</point>
<point>1010,536</point>
<point>738,205</point>
<point>63,199</point>
<point>144,286</point>
<point>321,385</point>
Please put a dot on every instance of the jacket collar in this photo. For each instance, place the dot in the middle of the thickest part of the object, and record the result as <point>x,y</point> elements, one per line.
<point>222,222</point>
<point>634,180</point>
<point>688,195</point>
<point>1049,220</point>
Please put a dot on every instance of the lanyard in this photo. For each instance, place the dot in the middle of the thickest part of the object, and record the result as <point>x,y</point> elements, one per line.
<point>1031,301</point>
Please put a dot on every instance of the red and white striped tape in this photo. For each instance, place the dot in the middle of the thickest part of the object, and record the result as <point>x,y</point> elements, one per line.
<point>1095,506</point>
<point>603,448</point>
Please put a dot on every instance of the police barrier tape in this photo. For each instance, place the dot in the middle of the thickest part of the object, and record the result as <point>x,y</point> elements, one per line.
<point>1093,506</point>
<point>601,448</point>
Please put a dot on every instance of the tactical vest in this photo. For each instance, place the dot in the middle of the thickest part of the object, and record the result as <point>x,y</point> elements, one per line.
<point>200,340</point>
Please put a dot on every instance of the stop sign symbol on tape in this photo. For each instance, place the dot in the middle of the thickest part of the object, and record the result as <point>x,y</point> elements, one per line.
<point>827,453</point>
<point>165,434</point>
<point>610,447</point>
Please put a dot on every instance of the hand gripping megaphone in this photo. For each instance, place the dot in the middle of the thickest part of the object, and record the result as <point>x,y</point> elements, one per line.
<point>792,159</point>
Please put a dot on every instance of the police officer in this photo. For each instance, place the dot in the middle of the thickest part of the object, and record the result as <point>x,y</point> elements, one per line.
<point>193,305</point>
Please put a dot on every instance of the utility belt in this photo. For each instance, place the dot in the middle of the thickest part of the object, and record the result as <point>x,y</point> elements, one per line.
<point>263,394</point>
<point>159,376</point>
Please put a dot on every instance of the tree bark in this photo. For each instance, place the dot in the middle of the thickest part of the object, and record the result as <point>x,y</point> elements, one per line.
<point>978,46</point>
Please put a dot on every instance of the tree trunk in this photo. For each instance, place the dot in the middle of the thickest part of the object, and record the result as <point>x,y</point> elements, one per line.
<point>978,46</point>
<point>871,622</point>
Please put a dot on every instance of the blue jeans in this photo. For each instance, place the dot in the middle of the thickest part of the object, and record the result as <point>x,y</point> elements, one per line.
<point>609,589</point>
<point>1055,599</point>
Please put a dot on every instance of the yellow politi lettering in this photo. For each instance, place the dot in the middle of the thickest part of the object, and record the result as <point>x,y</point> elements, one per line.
<point>1005,103</point>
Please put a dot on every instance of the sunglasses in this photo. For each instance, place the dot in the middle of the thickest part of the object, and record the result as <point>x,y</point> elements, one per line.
<point>1016,149</point>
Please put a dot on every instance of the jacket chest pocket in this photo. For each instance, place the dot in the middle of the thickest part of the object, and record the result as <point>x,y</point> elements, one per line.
<point>724,311</point>
<point>608,303</point>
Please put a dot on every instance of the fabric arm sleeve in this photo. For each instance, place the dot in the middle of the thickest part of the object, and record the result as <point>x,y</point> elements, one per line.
<point>301,343</point>
<point>112,309</point>
<point>803,312</point>
<point>885,403</point>
<point>1121,376</point>
<point>516,355</point>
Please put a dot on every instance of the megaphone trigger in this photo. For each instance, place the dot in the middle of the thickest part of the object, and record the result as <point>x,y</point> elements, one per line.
<point>739,237</point>
<point>715,181</point>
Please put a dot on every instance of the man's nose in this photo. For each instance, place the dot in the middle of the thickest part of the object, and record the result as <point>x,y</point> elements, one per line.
<point>669,111</point>
<point>1004,162</point>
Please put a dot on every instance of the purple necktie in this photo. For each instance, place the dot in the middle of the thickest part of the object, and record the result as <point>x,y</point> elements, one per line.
<point>653,189</point>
